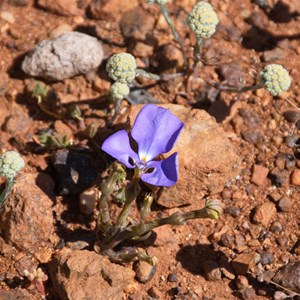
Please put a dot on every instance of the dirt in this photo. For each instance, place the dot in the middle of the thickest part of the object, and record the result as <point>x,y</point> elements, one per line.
<point>234,257</point>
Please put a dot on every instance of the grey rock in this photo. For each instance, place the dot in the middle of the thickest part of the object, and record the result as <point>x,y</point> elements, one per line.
<point>289,276</point>
<point>63,57</point>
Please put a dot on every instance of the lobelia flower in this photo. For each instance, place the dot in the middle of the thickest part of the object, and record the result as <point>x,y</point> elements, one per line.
<point>155,131</point>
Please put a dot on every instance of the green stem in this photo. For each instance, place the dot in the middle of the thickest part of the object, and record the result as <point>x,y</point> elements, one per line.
<point>6,191</point>
<point>164,77</point>
<point>166,14</point>
<point>197,51</point>
<point>240,89</point>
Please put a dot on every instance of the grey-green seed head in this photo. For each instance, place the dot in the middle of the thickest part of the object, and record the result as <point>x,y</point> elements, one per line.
<point>275,79</point>
<point>163,2</point>
<point>119,91</point>
<point>11,163</point>
<point>121,67</point>
<point>202,20</point>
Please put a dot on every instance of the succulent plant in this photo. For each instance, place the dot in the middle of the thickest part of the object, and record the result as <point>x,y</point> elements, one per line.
<point>11,163</point>
<point>203,20</point>
<point>275,79</point>
<point>121,67</point>
<point>119,91</point>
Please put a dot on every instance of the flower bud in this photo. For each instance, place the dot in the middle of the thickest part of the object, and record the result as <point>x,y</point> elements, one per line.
<point>202,20</point>
<point>121,67</point>
<point>275,79</point>
<point>11,163</point>
<point>119,91</point>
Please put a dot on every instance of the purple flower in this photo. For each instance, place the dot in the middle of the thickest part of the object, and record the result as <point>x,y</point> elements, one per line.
<point>155,130</point>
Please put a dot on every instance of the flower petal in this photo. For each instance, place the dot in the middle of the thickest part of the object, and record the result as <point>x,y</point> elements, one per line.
<point>165,171</point>
<point>155,130</point>
<point>118,146</point>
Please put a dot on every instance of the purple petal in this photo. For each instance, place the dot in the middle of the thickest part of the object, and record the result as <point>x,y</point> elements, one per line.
<point>155,130</point>
<point>118,146</point>
<point>165,171</point>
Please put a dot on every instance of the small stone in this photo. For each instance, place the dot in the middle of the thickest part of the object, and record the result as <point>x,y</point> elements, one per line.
<point>144,272</point>
<point>228,241</point>
<point>289,276</point>
<point>241,282</point>
<point>64,57</point>
<point>211,270</point>
<point>266,258</point>
<point>75,171</point>
<point>295,177</point>
<point>226,268</point>
<point>172,278</point>
<point>155,293</point>
<point>291,140</point>
<point>7,16</point>
<point>259,175</point>
<point>264,213</point>
<point>244,261</point>
<point>249,293</point>
<point>226,194</point>
<point>276,226</point>
<point>62,7</point>
<point>278,295</point>
<point>233,211</point>
<point>60,29</point>
<point>273,55</point>
<point>292,116</point>
<point>285,204</point>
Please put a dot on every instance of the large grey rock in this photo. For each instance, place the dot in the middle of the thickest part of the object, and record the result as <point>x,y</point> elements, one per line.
<point>63,57</point>
<point>83,274</point>
<point>207,159</point>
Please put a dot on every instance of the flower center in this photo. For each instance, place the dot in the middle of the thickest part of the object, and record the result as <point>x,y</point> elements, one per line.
<point>141,165</point>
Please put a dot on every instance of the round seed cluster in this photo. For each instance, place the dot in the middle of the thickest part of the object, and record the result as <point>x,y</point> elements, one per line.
<point>202,20</point>
<point>121,67</point>
<point>275,79</point>
<point>119,91</point>
<point>11,163</point>
<point>163,2</point>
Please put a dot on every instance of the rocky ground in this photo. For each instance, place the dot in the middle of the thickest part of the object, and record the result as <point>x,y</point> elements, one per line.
<point>241,148</point>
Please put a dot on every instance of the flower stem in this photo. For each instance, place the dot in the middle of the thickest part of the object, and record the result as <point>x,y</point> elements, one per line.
<point>197,50</point>
<point>6,191</point>
<point>166,14</point>
<point>240,89</point>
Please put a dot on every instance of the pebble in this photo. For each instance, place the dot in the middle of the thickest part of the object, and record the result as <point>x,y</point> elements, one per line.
<point>249,293</point>
<point>88,201</point>
<point>144,272</point>
<point>272,55</point>
<point>285,204</point>
<point>278,295</point>
<point>279,178</point>
<point>276,226</point>
<point>266,258</point>
<point>292,116</point>
<point>295,177</point>
<point>291,140</point>
<point>226,194</point>
<point>264,213</point>
<point>211,270</point>
<point>60,29</point>
<point>172,278</point>
<point>233,211</point>
<point>228,241</point>
<point>244,261</point>
<point>259,175</point>
<point>7,16</point>
<point>241,282</point>
<point>64,57</point>
<point>155,293</point>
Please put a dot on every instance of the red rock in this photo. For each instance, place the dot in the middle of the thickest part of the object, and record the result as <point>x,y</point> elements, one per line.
<point>83,274</point>
<point>259,175</point>
<point>244,261</point>
<point>26,218</point>
<point>295,177</point>
<point>207,159</point>
<point>62,7</point>
<point>264,213</point>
